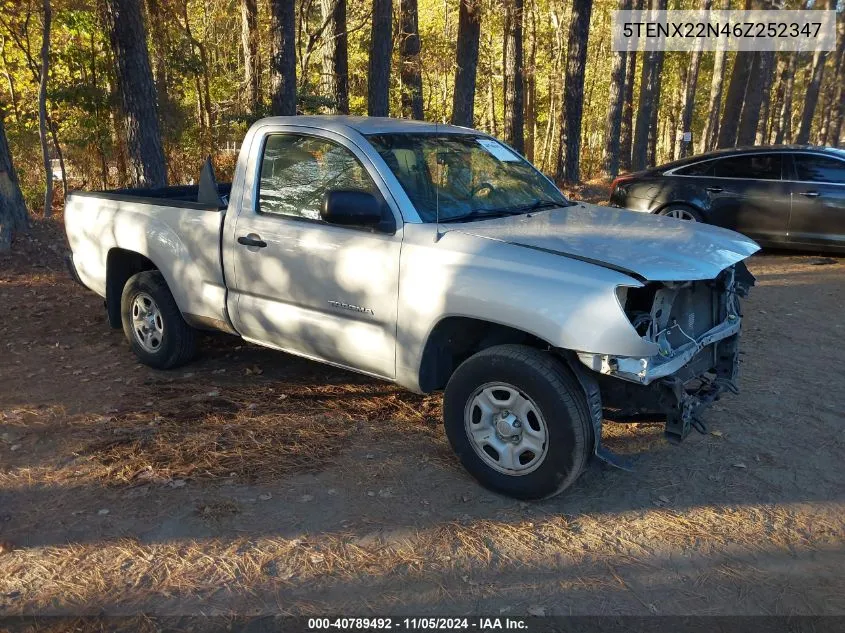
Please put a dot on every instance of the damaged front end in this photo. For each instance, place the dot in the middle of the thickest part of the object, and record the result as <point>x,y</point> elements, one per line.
<point>695,327</point>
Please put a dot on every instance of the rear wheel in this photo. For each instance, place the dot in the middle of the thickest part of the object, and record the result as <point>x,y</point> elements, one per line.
<point>153,324</point>
<point>681,212</point>
<point>518,420</point>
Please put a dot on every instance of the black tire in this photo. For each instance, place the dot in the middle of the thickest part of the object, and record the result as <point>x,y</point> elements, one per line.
<point>557,394</point>
<point>693,213</point>
<point>178,341</point>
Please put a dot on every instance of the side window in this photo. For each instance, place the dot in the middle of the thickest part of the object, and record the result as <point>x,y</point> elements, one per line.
<point>813,168</point>
<point>755,166</point>
<point>297,171</point>
<point>697,169</point>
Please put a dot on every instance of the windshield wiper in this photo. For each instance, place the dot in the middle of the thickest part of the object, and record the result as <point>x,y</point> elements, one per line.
<point>478,214</point>
<point>539,204</point>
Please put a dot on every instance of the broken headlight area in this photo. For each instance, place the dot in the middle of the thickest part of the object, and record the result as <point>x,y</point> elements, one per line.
<point>694,327</point>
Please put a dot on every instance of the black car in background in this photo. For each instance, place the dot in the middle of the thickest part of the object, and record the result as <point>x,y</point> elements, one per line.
<point>782,196</point>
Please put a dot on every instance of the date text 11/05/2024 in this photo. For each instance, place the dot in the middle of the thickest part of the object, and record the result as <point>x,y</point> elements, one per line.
<point>418,624</point>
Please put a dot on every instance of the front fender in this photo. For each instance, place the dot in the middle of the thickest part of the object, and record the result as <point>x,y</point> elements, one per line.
<point>569,304</point>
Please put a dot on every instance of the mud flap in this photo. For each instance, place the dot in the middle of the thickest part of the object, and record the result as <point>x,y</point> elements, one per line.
<point>593,394</point>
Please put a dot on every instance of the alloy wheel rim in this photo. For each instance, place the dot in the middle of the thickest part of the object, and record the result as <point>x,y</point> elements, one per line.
<point>506,429</point>
<point>680,214</point>
<point>147,322</point>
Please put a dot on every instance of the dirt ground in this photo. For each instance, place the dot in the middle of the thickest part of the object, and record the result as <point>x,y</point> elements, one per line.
<point>253,482</point>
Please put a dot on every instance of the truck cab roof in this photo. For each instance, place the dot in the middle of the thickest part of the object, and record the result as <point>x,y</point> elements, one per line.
<point>369,125</point>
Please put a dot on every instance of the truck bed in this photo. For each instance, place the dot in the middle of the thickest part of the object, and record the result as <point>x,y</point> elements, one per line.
<point>181,196</point>
<point>169,227</point>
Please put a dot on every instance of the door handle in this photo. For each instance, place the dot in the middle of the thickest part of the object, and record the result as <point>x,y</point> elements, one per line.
<point>810,194</point>
<point>252,240</point>
<point>714,190</point>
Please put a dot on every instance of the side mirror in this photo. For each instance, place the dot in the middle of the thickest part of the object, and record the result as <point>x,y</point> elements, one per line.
<point>349,207</point>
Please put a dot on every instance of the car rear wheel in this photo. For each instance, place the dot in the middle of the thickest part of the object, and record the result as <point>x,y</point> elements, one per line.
<point>153,324</point>
<point>681,212</point>
<point>518,421</point>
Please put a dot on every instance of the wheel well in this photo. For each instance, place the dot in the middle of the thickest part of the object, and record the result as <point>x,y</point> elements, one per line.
<point>454,339</point>
<point>120,266</point>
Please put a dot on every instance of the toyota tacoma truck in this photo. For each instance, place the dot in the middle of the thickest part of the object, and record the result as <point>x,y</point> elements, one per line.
<point>435,257</point>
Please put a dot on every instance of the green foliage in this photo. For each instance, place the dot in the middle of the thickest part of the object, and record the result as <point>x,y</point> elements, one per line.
<point>197,59</point>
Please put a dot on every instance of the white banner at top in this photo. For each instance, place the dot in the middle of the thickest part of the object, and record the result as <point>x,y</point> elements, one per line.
<point>756,30</point>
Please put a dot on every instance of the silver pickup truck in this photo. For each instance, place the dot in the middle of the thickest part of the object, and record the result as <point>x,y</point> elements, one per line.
<point>438,258</point>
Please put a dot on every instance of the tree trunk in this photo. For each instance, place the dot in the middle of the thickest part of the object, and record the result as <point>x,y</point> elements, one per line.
<point>531,89</point>
<point>711,123</point>
<point>135,84</point>
<point>837,110</point>
<point>13,215</point>
<point>835,127</point>
<point>554,90</point>
<point>491,107</point>
<point>42,109</point>
<point>777,98</point>
<point>335,78</point>
<point>59,155</point>
<point>569,153</point>
<point>613,129</point>
<point>252,64</point>
<point>514,77</point>
<point>381,43</point>
<point>649,91</point>
<point>821,136</point>
<point>492,122</point>
<point>811,94</point>
<point>734,100</point>
<point>710,135</point>
<point>756,91</point>
<point>811,98</point>
<point>283,63</point>
<point>655,110</point>
<point>783,121</point>
<point>409,51</point>
<point>627,128</point>
<point>770,101</point>
<point>639,150</point>
<point>204,112</point>
<point>159,32</point>
<point>688,104</point>
<point>469,30</point>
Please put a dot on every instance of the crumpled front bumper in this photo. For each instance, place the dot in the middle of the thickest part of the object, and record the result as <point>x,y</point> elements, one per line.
<point>647,370</point>
<point>686,376</point>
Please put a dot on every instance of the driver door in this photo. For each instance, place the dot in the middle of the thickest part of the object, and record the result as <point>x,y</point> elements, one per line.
<point>305,286</point>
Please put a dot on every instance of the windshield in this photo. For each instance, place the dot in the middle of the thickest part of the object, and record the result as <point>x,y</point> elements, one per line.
<point>467,176</point>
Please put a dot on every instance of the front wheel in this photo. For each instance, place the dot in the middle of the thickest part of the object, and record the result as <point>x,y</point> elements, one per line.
<point>681,212</point>
<point>153,324</point>
<point>518,420</point>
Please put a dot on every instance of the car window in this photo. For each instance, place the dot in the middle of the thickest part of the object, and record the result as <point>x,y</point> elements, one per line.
<point>697,169</point>
<point>755,166</point>
<point>297,171</point>
<point>813,168</point>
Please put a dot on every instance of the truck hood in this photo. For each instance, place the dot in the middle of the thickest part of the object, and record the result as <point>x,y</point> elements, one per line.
<point>654,248</point>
